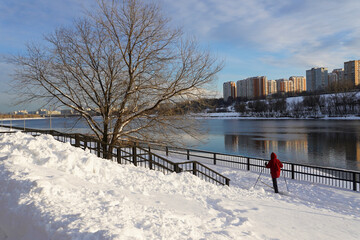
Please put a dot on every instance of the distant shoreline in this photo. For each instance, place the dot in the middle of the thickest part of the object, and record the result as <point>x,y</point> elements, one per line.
<point>225,115</point>
<point>234,115</point>
<point>21,119</point>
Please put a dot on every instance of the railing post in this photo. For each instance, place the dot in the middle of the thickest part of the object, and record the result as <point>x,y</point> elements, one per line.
<point>150,161</point>
<point>194,168</point>
<point>134,155</point>
<point>227,182</point>
<point>292,171</point>
<point>167,151</point>
<point>214,158</point>
<point>354,182</point>
<point>187,154</point>
<point>176,168</point>
<point>98,149</point>
<point>118,154</point>
<point>77,140</point>
<point>85,144</point>
<point>248,163</point>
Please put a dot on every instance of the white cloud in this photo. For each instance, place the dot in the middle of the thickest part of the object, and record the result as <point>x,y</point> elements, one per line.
<point>308,32</point>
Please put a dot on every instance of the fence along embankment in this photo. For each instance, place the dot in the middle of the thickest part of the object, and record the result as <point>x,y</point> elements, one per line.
<point>131,153</point>
<point>335,177</point>
<point>149,156</point>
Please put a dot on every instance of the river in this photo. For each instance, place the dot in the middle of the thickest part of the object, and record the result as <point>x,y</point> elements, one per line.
<point>332,143</point>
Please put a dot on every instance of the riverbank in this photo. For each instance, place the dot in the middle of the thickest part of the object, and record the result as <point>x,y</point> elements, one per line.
<point>235,115</point>
<point>21,119</point>
<point>222,115</point>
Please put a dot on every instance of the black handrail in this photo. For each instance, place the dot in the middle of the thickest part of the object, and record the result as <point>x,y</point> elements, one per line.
<point>335,177</point>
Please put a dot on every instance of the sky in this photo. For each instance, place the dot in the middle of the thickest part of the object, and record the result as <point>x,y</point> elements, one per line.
<point>273,38</point>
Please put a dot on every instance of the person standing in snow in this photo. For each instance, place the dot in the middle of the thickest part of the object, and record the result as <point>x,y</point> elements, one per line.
<point>275,167</point>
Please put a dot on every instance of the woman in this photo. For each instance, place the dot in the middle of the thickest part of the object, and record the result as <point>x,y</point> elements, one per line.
<point>275,168</point>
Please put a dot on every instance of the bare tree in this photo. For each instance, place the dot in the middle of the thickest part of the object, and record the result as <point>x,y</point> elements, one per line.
<point>123,62</point>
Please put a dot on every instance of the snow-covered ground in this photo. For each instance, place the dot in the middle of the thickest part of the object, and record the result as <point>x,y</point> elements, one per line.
<point>51,190</point>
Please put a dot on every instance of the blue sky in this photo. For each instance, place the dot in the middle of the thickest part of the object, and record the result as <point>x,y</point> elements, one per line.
<point>275,38</point>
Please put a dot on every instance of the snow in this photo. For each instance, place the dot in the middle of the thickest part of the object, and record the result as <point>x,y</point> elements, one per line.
<point>51,190</point>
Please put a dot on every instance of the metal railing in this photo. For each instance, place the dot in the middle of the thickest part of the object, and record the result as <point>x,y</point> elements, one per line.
<point>132,153</point>
<point>335,177</point>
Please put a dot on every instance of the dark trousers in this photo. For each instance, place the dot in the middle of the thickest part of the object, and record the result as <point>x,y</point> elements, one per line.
<point>275,185</point>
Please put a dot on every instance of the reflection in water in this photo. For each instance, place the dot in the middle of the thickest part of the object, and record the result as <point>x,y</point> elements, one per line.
<point>323,143</point>
<point>235,143</point>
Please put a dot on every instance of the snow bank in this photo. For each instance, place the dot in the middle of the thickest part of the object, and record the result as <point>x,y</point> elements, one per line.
<point>51,190</point>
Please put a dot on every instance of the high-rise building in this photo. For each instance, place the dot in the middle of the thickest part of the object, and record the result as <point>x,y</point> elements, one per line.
<point>299,83</point>
<point>272,89</point>
<point>316,79</point>
<point>283,85</point>
<point>252,87</point>
<point>229,90</point>
<point>332,78</point>
<point>339,74</point>
<point>352,72</point>
<point>241,88</point>
<point>260,86</point>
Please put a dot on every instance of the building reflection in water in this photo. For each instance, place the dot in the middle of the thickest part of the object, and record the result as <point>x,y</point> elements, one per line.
<point>252,144</point>
<point>322,149</point>
<point>322,143</point>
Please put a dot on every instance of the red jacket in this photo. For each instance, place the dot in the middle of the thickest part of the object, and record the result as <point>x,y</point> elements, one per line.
<point>274,164</point>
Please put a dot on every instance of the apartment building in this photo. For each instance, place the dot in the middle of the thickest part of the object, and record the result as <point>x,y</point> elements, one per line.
<point>352,71</point>
<point>299,83</point>
<point>229,90</point>
<point>283,85</point>
<point>332,78</point>
<point>253,87</point>
<point>241,88</point>
<point>272,89</point>
<point>316,79</point>
<point>339,74</point>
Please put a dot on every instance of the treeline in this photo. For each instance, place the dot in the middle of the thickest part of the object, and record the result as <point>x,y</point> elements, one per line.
<point>331,105</point>
<point>313,106</point>
<point>4,116</point>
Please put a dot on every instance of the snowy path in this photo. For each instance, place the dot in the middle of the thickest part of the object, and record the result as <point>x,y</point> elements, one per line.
<point>51,190</point>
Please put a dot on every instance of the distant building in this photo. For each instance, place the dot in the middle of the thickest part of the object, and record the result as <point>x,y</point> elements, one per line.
<point>272,89</point>
<point>21,112</point>
<point>67,112</point>
<point>259,87</point>
<point>299,83</point>
<point>339,74</point>
<point>332,78</point>
<point>316,79</point>
<point>42,111</point>
<point>283,85</point>
<point>48,112</point>
<point>253,87</point>
<point>352,72</point>
<point>34,112</point>
<point>241,88</point>
<point>54,112</point>
<point>229,90</point>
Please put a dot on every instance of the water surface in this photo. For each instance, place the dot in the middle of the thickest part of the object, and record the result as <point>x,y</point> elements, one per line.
<point>333,143</point>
